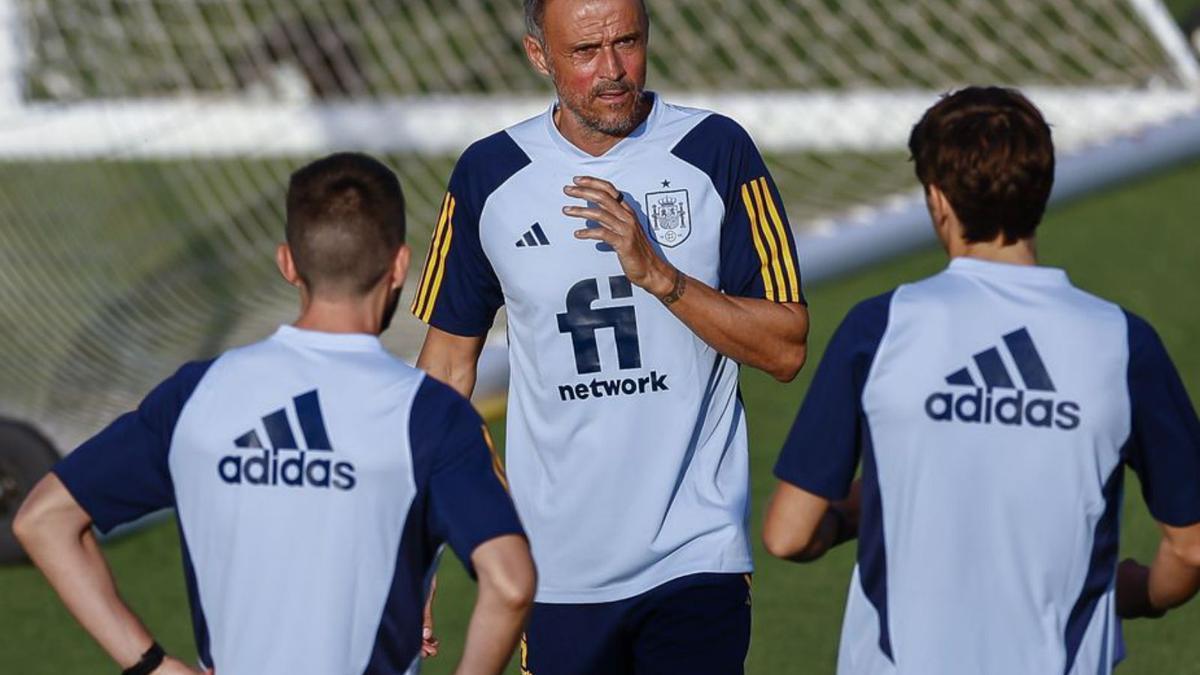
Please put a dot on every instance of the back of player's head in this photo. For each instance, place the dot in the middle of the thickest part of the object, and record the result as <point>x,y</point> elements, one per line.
<point>988,149</point>
<point>345,222</point>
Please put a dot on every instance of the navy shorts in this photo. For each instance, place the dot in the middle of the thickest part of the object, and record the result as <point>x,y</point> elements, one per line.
<point>698,624</point>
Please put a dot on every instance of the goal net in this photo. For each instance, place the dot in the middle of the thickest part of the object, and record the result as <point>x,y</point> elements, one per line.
<point>145,144</point>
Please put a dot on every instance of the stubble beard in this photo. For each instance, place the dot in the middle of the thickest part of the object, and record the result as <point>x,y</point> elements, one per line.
<point>619,123</point>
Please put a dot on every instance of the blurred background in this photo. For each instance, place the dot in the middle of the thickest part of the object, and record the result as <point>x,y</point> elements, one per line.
<point>145,147</point>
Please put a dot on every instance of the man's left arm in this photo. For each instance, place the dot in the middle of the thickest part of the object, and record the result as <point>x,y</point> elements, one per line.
<point>771,335</point>
<point>57,534</point>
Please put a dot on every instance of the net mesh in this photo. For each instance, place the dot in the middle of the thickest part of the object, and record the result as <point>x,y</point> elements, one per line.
<point>119,262</point>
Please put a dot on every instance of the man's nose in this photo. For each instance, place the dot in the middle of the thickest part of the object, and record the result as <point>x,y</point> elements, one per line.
<point>611,66</point>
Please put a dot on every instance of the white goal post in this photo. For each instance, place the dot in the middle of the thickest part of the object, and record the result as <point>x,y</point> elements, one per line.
<point>169,127</point>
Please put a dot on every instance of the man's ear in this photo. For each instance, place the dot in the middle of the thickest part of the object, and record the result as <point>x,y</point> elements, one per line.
<point>400,266</point>
<point>535,51</point>
<point>287,265</point>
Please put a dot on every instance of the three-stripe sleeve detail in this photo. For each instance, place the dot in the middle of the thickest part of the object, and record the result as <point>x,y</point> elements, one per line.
<point>435,262</point>
<point>781,281</point>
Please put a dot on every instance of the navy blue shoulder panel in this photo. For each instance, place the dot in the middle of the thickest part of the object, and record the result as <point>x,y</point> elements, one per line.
<point>822,451</point>
<point>483,167</point>
<point>1164,443</point>
<point>122,473</point>
<point>722,149</point>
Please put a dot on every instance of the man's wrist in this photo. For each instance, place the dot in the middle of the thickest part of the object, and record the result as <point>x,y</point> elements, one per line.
<point>151,659</point>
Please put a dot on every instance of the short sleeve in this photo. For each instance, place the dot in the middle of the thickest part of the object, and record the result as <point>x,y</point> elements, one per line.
<point>121,474</point>
<point>468,501</point>
<point>1164,443</point>
<point>459,291</point>
<point>822,450</point>
<point>758,250</point>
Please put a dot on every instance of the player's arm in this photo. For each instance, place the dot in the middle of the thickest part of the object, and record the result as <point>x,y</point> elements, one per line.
<point>452,359</point>
<point>765,334</point>
<point>1164,450</point>
<point>57,534</point>
<point>507,581</point>
<point>801,526</point>
<point>817,502</point>
<point>1170,581</point>
<point>470,509</point>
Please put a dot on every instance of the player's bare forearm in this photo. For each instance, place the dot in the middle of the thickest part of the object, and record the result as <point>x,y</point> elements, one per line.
<point>801,526</point>
<point>452,359</point>
<point>56,533</point>
<point>770,336</point>
<point>1170,581</point>
<point>507,582</point>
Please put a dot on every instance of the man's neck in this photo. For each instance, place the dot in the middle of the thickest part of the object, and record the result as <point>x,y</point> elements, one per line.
<point>593,141</point>
<point>326,316</point>
<point>1021,252</point>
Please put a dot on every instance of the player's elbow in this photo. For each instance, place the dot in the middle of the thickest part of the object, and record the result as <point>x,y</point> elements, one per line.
<point>515,589</point>
<point>786,543</point>
<point>788,362</point>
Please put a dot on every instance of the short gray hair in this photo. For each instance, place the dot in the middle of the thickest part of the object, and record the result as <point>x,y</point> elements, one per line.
<point>535,18</point>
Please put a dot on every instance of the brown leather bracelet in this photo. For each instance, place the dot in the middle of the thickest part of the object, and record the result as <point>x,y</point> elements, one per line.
<point>677,289</point>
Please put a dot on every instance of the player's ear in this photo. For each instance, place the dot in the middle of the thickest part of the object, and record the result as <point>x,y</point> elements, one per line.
<point>535,51</point>
<point>940,213</point>
<point>400,266</point>
<point>287,265</point>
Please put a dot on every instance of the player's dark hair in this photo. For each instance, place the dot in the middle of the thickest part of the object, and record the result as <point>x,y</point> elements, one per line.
<point>535,17</point>
<point>345,222</point>
<point>988,149</point>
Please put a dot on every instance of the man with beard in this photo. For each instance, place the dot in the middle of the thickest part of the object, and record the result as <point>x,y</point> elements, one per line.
<point>643,253</point>
<point>313,474</point>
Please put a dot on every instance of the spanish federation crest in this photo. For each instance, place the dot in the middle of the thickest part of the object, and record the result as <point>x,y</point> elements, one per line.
<point>670,216</point>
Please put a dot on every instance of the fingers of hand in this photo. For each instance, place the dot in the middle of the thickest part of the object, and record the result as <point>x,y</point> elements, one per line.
<point>600,184</point>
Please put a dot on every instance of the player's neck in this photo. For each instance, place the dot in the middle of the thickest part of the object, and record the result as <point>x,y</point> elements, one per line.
<point>589,140</point>
<point>340,316</point>
<point>1021,252</point>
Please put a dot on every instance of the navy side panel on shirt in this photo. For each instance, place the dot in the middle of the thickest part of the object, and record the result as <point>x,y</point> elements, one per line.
<point>459,291</point>
<point>121,474</point>
<point>823,448</point>
<point>1164,444</point>
<point>460,499</point>
<point>758,252</point>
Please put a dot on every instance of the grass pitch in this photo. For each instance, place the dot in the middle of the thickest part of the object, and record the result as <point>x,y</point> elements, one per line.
<point>1136,245</point>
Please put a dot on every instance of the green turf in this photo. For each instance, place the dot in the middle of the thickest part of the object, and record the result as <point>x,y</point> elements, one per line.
<point>1136,245</point>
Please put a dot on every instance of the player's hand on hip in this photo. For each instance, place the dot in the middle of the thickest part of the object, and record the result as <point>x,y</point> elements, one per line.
<point>620,228</point>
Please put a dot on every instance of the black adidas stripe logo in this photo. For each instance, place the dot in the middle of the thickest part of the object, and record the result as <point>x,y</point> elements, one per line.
<point>533,237</point>
<point>994,373</point>
<point>978,403</point>
<point>296,467</point>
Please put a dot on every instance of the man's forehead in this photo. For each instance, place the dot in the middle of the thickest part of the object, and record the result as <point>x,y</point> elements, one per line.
<point>576,20</point>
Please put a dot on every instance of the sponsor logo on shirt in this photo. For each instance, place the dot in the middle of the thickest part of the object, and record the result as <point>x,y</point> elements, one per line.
<point>582,321</point>
<point>283,463</point>
<point>999,400</point>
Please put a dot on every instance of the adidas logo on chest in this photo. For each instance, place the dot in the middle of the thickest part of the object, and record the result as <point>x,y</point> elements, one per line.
<point>995,398</point>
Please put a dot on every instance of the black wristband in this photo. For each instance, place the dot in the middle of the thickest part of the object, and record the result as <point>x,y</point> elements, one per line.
<point>149,662</point>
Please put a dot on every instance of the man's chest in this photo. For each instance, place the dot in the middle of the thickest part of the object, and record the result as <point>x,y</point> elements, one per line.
<point>532,246</point>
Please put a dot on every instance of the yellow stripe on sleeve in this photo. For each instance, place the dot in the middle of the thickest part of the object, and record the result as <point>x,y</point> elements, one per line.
<point>780,284</point>
<point>758,245</point>
<point>497,464</point>
<point>441,266</point>
<point>788,257</point>
<point>430,259</point>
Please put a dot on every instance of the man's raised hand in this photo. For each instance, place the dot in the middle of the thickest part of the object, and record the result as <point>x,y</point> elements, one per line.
<point>620,229</point>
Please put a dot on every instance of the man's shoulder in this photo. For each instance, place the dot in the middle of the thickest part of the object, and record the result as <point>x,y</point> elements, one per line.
<point>706,130</point>
<point>486,164</point>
